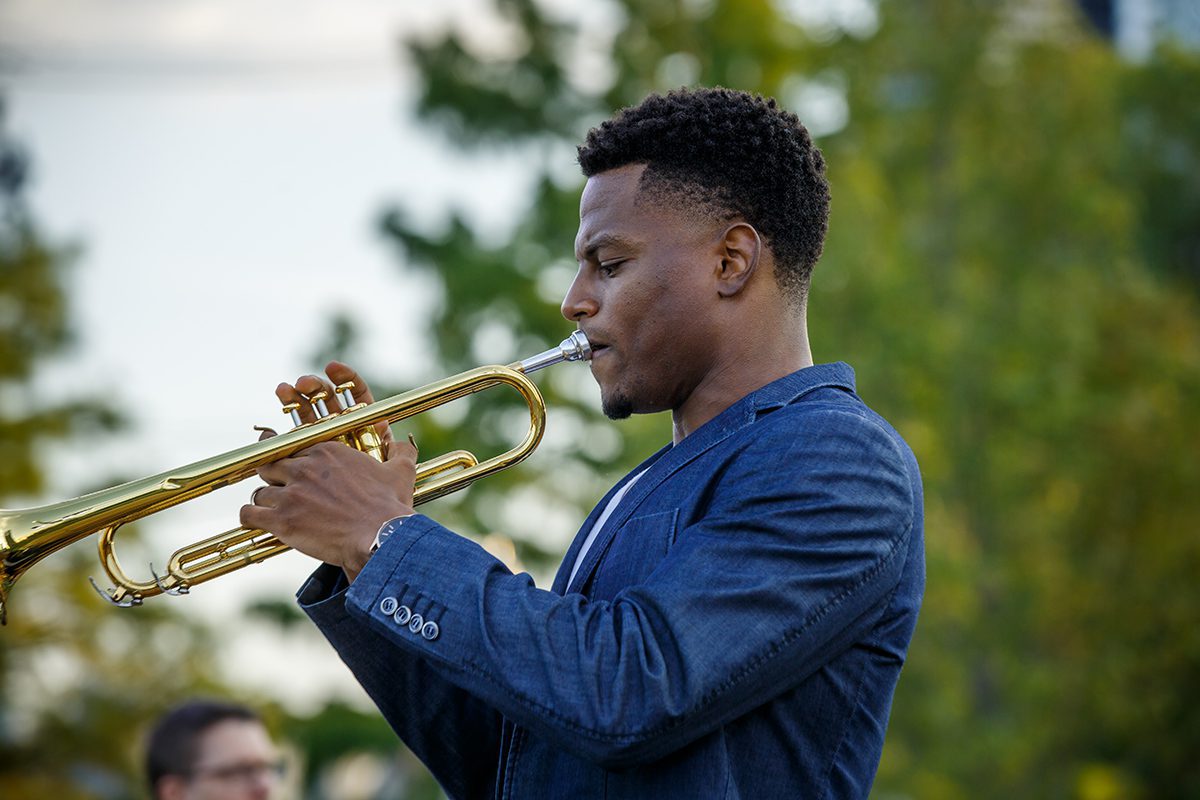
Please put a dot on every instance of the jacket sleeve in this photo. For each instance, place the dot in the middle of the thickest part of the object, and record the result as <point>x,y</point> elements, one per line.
<point>456,735</point>
<point>796,556</point>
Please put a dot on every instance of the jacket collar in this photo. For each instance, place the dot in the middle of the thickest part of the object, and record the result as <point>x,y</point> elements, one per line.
<point>667,461</point>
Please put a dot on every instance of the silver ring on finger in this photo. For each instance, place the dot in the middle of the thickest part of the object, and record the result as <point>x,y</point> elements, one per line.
<point>254,495</point>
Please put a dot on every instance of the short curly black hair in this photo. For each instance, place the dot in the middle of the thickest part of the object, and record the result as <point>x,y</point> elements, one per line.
<point>733,153</point>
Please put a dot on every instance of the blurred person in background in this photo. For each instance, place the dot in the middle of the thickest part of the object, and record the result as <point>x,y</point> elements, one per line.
<point>212,750</point>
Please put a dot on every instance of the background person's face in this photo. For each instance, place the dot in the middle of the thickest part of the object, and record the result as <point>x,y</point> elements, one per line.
<point>237,761</point>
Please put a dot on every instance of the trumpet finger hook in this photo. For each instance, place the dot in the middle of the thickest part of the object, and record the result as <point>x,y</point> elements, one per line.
<point>111,596</point>
<point>174,591</point>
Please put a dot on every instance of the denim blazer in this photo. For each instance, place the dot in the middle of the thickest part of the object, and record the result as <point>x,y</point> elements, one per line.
<point>735,631</point>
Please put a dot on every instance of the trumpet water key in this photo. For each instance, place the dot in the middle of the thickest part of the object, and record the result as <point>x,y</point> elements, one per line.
<point>29,535</point>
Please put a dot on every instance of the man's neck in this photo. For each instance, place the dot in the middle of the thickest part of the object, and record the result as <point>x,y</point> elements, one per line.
<point>759,360</point>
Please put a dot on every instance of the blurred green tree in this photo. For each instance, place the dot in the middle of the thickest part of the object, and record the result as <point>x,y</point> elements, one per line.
<point>1163,137</point>
<point>1010,266</point>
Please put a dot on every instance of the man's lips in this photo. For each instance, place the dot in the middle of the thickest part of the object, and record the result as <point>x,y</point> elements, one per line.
<point>598,345</point>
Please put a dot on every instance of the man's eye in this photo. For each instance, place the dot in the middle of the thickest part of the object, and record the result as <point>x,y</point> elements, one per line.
<point>609,267</point>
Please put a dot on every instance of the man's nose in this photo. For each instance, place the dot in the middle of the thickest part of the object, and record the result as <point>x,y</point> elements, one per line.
<point>579,301</point>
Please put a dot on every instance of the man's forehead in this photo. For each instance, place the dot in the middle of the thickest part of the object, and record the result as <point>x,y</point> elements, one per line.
<point>232,737</point>
<point>614,186</point>
<point>607,203</point>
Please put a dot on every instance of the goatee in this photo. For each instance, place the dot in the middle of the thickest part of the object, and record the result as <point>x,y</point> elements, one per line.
<point>616,407</point>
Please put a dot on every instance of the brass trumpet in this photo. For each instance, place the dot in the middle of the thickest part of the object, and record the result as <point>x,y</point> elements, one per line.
<point>29,535</point>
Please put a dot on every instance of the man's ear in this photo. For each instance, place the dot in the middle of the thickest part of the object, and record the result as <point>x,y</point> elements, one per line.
<point>741,248</point>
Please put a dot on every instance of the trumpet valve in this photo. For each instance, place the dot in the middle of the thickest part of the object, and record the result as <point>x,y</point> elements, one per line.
<point>293,409</point>
<point>317,401</point>
<point>343,391</point>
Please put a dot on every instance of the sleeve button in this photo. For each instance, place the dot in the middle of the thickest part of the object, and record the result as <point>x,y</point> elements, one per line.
<point>388,606</point>
<point>403,615</point>
<point>430,630</point>
<point>415,623</point>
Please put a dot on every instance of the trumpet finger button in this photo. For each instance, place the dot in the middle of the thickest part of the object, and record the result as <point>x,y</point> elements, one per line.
<point>317,401</point>
<point>294,410</point>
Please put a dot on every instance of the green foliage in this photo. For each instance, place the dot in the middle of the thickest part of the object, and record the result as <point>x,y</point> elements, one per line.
<point>1011,267</point>
<point>1162,143</point>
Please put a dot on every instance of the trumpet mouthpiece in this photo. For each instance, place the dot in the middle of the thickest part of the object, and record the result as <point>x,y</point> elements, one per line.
<point>574,348</point>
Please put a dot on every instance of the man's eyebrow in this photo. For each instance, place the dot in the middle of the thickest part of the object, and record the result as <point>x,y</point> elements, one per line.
<point>605,240</point>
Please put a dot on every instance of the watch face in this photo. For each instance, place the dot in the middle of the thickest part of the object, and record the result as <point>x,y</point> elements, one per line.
<point>387,530</point>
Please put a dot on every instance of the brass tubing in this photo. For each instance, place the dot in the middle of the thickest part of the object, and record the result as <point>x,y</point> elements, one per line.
<point>29,535</point>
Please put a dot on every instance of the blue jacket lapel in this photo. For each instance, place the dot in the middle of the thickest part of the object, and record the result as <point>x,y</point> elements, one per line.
<point>568,562</point>
<point>670,459</point>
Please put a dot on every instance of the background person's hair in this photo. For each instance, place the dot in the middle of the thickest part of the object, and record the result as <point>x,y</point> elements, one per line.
<point>734,154</point>
<point>173,742</point>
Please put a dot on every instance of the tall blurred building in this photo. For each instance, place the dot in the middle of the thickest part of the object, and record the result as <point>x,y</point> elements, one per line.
<point>1136,26</point>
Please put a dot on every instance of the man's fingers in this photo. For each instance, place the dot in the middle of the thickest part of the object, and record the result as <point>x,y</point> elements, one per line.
<point>341,373</point>
<point>301,392</point>
<point>403,451</point>
<point>256,517</point>
<point>289,394</point>
<point>402,461</point>
<point>313,385</point>
<point>275,473</point>
<point>266,496</point>
<point>306,386</point>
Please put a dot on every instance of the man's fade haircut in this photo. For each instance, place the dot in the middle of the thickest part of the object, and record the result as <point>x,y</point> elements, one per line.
<point>733,153</point>
<point>174,742</point>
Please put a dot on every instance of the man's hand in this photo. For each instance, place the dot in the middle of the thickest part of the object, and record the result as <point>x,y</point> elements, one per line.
<point>330,500</point>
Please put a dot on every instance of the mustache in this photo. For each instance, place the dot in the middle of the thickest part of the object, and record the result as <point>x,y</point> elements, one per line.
<point>596,338</point>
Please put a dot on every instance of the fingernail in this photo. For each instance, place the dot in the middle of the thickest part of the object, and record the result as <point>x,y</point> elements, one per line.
<point>413,442</point>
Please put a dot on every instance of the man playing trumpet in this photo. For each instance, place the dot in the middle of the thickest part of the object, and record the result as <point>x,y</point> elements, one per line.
<point>732,617</point>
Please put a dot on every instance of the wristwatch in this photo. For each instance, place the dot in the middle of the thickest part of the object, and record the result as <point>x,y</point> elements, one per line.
<point>386,530</point>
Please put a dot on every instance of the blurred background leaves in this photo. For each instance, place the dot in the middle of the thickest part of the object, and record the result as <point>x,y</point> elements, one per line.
<point>1013,268</point>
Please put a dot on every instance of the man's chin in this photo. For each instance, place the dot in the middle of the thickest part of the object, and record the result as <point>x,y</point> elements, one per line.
<point>618,406</point>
